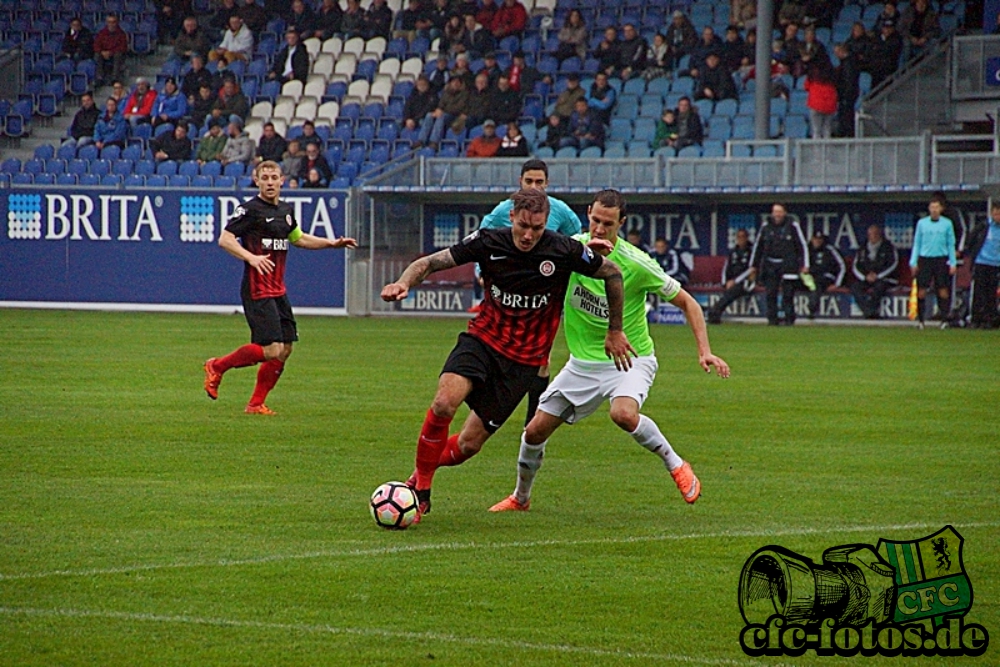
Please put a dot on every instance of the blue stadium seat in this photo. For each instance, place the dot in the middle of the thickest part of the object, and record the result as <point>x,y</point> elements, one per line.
<point>45,152</point>
<point>213,169</point>
<point>111,152</point>
<point>77,166</point>
<point>33,166</point>
<point>88,152</point>
<point>89,179</point>
<point>156,181</point>
<point>112,180</point>
<point>166,168</point>
<point>67,151</point>
<point>55,166</point>
<point>188,168</point>
<point>234,170</point>
<point>100,167</point>
<point>145,167</point>
<point>179,181</point>
<point>45,179</point>
<point>66,179</point>
<point>225,182</point>
<point>201,181</point>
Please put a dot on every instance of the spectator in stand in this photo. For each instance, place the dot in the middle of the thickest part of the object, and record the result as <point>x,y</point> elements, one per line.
<point>462,71</point>
<point>271,147</point>
<point>352,23</point>
<point>453,103</point>
<point>984,251</point>
<point>666,130</point>
<point>670,261</point>
<point>743,13</point>
<point>715,82</point>
<point>477,40</point>
<point>555,130</point>
<point>733,49</point>
<point>513,144</point>
<point>302,18</point>
<point>169,16</point>
<point>608,52</point>
<point>172,145</point>
<point>119,93</point>
<point>440,14</point>
<point>821,99</point>
<point>453,34</point>
<point>889,12</point>
<point>822,13</point>
<point>191,40</point>
<point>681,37</point>
<point>309,136</point>
<point>709,43</point>
<point>111,129</point>
<point>110,48</point>
<point>635,238</point>
<point>919,26</point>
<point>219,22</point>
<point>522,76</point>
<point>253,15</point>
<point>378,20</point>
<point>138,108</point>
<point>791,11</point>
<point>485,13</point>
<point>657,58</point>
<point>827,268</point>
<point>196,77</point>
<point>749,54</point>
<point>602,98</point>
<point>632,51</point>
<point>440,75</point>
<point>510,20</point>
<point>291,161</point>
<point>491,68</point>
<point>315,160</point>
<point>314,180</point>
<point>811,51</point>
<point>884,54</point>
<point>82,129</point>
<point>211,145</point>
<point>566,101</point>
<point>845,79</point>
<point>203,105</point>
<point>585,128</point>
<point>690,130</point>
<point>859,44</point>
<point>239,146</point>
<point>789,55</point>
<point>328,20</point>
<point>482,101</point>
<point>236,44</point>
<point>874,269</point>
<point>573,38</point>
<point>486,144</point>
<point>413,21</point>
<point>292,62</point>
<point>421,102</point>
<point>171,106</point>
<point>506,102</point>
<point>231,104</point>
<point>735,277</point>
<point>78,42</point>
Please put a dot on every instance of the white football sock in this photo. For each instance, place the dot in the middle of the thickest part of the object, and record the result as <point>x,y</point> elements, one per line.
<point>647,434</point>
<point>529,460</point>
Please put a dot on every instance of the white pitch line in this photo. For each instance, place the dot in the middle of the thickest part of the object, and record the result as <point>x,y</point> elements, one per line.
<point>461,546</point>
<point>374,632</point>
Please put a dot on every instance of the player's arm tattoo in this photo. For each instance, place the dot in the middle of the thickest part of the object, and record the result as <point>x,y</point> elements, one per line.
<point>615,290</point>
<point>418,271</point>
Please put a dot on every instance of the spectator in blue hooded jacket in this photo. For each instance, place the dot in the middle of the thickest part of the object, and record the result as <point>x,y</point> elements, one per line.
<point>171,106</point>
<point>111,129</point>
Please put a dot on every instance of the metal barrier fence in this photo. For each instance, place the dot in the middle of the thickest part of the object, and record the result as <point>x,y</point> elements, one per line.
<point>882,161</point>
<point>11,73</point>
<point>975,70</point>
<point>916,99</point>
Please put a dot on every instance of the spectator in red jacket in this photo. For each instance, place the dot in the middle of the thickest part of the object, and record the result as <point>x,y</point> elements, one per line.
<point>487,144</point>
<point>138,108</point>
<point>821,99</point>
<point>110,47</point>
<point>510,19</point>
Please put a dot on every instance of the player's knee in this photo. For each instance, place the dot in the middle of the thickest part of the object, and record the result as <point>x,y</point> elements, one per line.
<point>469,447</point>
<point>442,407</point>
<point>286,351</point>
<point>273,351</point>
<point>625,418</point>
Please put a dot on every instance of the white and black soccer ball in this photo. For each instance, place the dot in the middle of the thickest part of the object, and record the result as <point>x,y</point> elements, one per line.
<point>394,506</point>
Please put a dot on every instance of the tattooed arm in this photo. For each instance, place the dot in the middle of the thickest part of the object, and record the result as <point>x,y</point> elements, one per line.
<point>616,344</point>
<point>416,273</point>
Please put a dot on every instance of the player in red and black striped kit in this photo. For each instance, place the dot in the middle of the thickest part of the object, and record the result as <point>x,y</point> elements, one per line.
<point>525,272</point>
<point>259,233</point>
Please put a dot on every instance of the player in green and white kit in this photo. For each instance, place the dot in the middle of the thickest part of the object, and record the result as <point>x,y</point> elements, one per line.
<point>589,378</point>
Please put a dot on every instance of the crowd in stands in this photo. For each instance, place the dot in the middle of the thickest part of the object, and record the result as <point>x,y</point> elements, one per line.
<point>612,80</point>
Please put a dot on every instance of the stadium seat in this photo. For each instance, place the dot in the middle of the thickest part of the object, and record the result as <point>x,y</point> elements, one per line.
<point>156,181</point>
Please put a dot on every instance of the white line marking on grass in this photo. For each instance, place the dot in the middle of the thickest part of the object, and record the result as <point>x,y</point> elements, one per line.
<point>462,546</point>
<point>372,632</point>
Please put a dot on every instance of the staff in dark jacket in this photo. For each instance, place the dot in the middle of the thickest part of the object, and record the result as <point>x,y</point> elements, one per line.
<point>874,271</point>
<point>826,266</point>
<point>780,255</point>
<point>735,276</point>
<point>984,249</point>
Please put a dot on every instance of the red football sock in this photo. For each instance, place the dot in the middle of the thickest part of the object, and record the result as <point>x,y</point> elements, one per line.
<point>433,439</point>
<point>452,454</point>
<point>267,377</point>
<point>248,355</point>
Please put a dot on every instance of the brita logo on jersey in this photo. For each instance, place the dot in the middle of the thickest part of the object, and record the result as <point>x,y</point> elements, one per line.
<point>274,244</point>
<point>533,301</point>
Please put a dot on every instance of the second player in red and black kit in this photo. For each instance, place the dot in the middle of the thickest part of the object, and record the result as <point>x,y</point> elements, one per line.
<point>525,271</point>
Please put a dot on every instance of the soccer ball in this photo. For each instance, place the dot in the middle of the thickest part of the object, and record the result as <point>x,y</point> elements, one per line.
<point>394,506</point>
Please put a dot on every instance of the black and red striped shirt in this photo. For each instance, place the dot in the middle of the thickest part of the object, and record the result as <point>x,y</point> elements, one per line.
<point>523,291</point>
<point>264,229</point>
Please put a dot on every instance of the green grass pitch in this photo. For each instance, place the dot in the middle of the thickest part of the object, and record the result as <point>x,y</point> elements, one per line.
<point>143,524</point>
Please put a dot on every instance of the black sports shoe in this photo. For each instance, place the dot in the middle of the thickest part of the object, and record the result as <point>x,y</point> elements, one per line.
<point>423,501</point>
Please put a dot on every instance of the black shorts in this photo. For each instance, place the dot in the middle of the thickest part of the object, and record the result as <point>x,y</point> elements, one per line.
<point>498,384</point>
<point>270,320</point>
<point>933,269</point>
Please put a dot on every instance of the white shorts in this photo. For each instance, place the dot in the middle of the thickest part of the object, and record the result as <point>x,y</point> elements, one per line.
<point>582,386</point>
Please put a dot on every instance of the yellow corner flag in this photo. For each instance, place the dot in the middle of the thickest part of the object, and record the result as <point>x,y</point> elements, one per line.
<point>911,310</point>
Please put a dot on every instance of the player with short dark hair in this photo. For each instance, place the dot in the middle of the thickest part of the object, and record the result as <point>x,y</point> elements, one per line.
<point>933,258</point>
<point>259,233</point>
<point>525,270</point>
<point>781,256</point>
<point>588,378</point>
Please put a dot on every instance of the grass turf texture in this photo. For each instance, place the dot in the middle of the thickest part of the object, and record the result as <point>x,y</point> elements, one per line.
<point>143,524</point>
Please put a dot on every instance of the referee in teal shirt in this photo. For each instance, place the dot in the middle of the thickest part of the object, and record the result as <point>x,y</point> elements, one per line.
<point>933,259</point>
